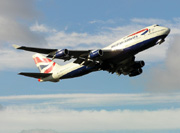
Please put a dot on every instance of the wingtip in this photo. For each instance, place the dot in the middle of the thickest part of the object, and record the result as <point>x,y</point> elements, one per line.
<point>16,46</point>
<point>20,73</point>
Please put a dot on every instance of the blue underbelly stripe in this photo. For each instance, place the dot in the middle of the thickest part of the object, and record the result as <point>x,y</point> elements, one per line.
<point>78,72</point>
<point>143,45</point>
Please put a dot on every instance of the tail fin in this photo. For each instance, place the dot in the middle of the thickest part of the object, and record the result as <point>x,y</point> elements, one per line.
<point>44,64</point>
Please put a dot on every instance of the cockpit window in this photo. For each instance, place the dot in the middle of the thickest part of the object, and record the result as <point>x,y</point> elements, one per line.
<point>155,25</point>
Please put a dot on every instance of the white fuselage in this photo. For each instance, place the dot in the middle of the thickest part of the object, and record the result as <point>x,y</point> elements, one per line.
<point>136,41</point>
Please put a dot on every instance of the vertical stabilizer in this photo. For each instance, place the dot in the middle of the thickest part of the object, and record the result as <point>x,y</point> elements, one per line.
<point>44,64</point>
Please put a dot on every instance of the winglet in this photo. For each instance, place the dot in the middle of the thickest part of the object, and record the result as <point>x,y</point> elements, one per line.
<point>16,46</point>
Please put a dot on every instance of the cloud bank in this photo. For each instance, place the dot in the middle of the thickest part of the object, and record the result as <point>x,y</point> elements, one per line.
<point>88,113</point>
<point>87,120</point>
<point>39,131</point>
<point>93,100</point>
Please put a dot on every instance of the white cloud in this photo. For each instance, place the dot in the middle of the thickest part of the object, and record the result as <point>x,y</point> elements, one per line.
<point>41,28</point>
<point>102,38</point>
<point>149,21</point>
<point>45,115</point>
<point>15,32</point>
<point>19,119</point>
<point>94,100</point>
<point>166,77</point>
<point>39,131</point>
<point>12,59</point>
<point>76,40</point>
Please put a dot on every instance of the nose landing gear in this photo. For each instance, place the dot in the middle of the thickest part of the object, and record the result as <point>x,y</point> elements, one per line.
<point>160,41</point>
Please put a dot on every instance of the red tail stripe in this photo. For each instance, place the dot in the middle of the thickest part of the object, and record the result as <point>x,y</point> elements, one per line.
<point>50,68</point>
<point>39,60</point>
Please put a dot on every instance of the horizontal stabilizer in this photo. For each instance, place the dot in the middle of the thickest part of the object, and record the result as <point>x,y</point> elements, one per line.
<point>36,75</point>
<point>16,46</point>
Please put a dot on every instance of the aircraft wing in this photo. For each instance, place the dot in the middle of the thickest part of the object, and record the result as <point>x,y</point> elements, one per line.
<point>52,52</point>
<point>84,57</point>
<point>33,49</point>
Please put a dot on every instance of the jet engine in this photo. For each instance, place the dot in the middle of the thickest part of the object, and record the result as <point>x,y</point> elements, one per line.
<point>95,54</point>
<point>61,53</point>
<point>135,72</point>
<point>138,64</point>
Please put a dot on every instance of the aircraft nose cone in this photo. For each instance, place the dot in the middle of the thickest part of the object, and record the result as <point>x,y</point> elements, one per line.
<point>167,31</point>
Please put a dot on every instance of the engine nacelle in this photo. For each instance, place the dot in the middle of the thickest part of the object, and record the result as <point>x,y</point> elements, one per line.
<point>139,64</point>
<point>135,72</point>
<point>95,53</point>
<point>61,53</point>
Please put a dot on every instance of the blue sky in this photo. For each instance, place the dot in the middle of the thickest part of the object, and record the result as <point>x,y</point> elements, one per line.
<point>93,99</point>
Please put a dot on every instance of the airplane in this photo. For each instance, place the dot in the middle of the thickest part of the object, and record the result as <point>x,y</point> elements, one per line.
<point>118,57</point>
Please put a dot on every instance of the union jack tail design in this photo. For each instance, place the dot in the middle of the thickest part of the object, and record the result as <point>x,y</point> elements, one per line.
<point>44,64</point>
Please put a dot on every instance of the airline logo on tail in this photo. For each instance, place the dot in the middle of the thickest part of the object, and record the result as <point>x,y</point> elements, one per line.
<point>44,64</point>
